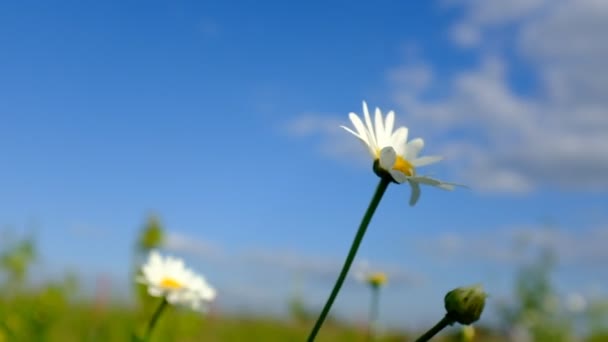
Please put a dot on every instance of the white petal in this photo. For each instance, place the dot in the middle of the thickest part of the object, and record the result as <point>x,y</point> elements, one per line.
<point>197,306</point>
<point>426,160</point>
<point>371,151</point>
<point>387,158</point>
<point>399,140</point>
<point>370,127</point>
<point>426,180</point>
<point>446,186</point>
<point>174,297</point>
<point>398,176</point>
<point>413,148</point>
<point>381,136</point>
<point>155,292</point>
<point>451,186</point>
<point>363,138</point>
<point>399,136</point>
<point>361,130</point>
<point>435,182</point>
<point>389,124</point>
<point>415,193</point>
<point>208,294</point>
<point>155,258</point>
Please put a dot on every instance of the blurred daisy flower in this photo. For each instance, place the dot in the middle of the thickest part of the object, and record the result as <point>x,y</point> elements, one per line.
<point>393,155</point>
<point>375,279</point>
<point>169,278</point>
<point>467,333</point>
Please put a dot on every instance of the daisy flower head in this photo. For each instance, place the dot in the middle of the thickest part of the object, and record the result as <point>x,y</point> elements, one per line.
<point>169,278</point>
<point>393,155</point>
<point>377,279</point>
<point>365,275</point>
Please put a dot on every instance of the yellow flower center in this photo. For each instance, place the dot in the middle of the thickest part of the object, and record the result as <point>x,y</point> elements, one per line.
<point>170,283</point>
<point>377,279</point>
<point>404,166</point>
<point>401,164</point>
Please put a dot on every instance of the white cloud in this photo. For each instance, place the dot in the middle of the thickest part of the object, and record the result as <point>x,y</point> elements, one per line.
<point>396,275</point>
<point>415,77</point>
<point>556,134</point>
<point>465,35</point>
<point>579,247</point>
<point>481,15</point>
<point>183,243</point>
<point>286,261</point>
<point>313,123</point>
<point>322,268</point>
<point>568,43</point>
<point>334,141</point>
<point>497,136</point>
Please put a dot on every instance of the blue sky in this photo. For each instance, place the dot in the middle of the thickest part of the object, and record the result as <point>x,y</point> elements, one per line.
<point>222,118</point>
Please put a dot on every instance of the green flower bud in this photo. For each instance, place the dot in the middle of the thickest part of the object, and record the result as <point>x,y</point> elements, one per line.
<point>465,304</point>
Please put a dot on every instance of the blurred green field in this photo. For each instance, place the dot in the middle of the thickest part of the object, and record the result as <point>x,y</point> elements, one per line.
<point>48,315</point>
<point>59,311</point>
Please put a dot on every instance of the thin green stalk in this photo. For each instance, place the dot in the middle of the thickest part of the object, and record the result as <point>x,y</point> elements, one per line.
<point>384,182</point>
<point>373,312</point>
<point>154,319</point>
<point>445,321</point>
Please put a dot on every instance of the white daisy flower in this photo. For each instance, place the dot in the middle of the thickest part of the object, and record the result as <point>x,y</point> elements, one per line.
<point>168,277</point>
<point>392,153</point>
<point>366,275</point>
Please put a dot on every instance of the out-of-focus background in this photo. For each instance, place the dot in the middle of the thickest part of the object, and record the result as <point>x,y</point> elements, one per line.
<point>211,129</point>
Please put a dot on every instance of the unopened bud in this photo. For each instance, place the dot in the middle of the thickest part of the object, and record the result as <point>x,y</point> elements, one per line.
<point>465,304</point>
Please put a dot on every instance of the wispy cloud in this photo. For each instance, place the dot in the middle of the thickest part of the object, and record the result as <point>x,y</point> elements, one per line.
<point>334,142</point>
<point>323,268</point>
<point>286,261</point>
<point>397,276</point>
<point>87,231</point>
<point>483,16</point>
<point>500,138</point>
<point>517,244</point>
<point>184,243</point>
<point>507,141</point>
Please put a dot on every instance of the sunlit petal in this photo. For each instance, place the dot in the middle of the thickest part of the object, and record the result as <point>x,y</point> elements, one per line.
<point>415,195</point>
<point>426,160</point>
<point>387,158</point>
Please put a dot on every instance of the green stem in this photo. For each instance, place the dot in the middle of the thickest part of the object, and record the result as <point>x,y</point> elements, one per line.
<point>445,321</point>
<point>384,182</point>
<point>154,319</point>
<point>373,312</point>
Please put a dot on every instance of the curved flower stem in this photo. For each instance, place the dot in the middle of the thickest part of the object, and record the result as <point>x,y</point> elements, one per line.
<point>154,319</point>
<point>445,321</point>
<point>384,182</point>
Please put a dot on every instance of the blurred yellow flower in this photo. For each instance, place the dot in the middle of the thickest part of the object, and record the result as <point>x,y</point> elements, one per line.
<point>364,274</point>
<point>468,333</point>
<point>393,155</point>
<point>168,277</point>
<point>377,279</point>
